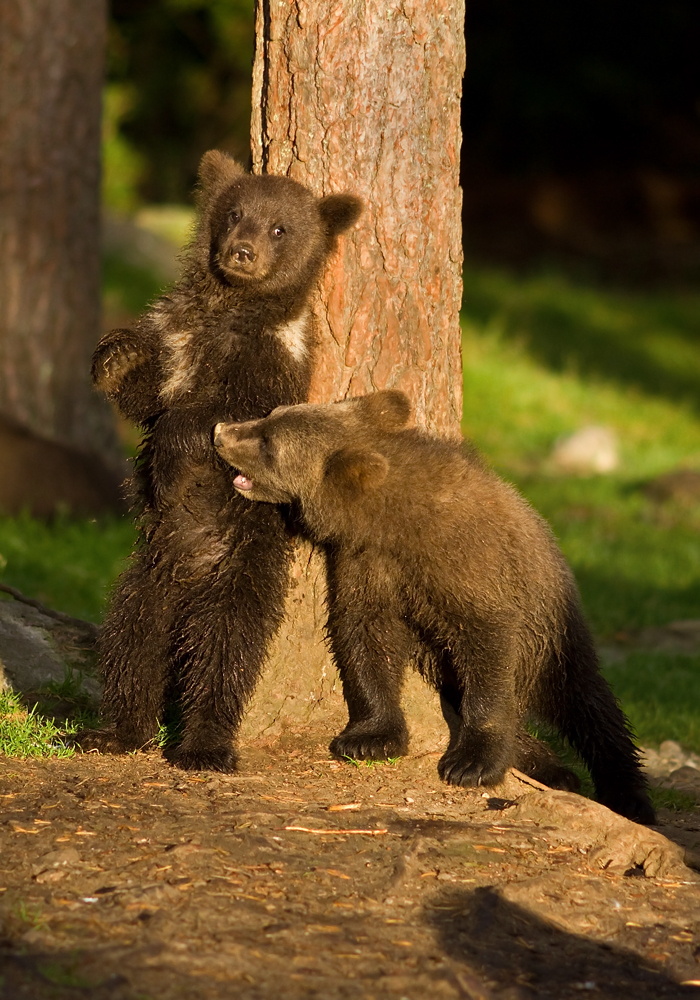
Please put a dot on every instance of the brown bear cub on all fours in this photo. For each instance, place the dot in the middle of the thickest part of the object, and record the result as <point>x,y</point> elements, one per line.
<point>192,616</point>
<point>433,559</point>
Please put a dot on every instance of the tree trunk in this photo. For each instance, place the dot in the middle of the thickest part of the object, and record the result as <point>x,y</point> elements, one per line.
<point>365,96</point>
<point>51,72</point>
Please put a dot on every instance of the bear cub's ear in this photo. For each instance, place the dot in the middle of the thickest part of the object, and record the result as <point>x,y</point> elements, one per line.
<point>339,212</point>
<point>356,470</point>
<point>388,410</point>
<point>216,167</point>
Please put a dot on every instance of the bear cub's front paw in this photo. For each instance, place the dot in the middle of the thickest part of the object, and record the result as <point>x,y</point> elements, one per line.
<point>114,358</point>
<point>364,744</point>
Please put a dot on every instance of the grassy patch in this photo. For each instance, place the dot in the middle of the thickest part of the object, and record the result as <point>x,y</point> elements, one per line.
<point>671,798</point>
<point>370,763</point>
<point>68,564</point>
<point>661,696</point>
<point>126,288</point>
<point>27,733</point>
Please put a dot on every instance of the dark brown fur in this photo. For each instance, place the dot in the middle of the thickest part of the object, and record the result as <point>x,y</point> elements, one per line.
<point>432,558</point>
<point>193,615</point>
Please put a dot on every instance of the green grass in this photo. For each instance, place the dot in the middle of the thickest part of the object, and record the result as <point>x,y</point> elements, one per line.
<point>68,564</point>
<point>27,733</point>
<point>661,695</point>
<point>127,288</point>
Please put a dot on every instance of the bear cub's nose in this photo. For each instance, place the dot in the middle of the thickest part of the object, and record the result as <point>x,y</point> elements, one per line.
<point>243,253</point>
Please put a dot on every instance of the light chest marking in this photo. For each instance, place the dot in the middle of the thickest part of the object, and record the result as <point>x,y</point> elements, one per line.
<point>178,364</point>
<point>294,335</point>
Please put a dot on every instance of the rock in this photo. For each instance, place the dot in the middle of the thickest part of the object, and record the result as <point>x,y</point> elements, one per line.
<point>677,637</point>
<point>681,486</point>
<point>669,759</point>
<point>684,779</point>
<point>56,859</point>
<point>36,650</point>
<point>588,451</point>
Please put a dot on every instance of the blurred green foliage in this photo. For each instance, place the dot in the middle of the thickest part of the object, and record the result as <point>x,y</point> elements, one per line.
<point>544,357</point>
<point>178,83</point>
<point>68,564</point>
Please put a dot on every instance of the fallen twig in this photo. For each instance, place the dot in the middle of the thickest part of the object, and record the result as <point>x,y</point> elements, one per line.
<point>306,829</point>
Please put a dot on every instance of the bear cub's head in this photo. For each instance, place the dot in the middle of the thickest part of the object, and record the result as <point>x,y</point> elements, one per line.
<point>266,234</point>
<point>298,452</point>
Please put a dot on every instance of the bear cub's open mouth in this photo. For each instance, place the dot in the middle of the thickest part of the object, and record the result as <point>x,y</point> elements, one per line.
<point>242,482</point>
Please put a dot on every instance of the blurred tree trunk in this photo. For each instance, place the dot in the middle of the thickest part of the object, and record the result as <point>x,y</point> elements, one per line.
<point>365,96</point>
<point>51,73</point>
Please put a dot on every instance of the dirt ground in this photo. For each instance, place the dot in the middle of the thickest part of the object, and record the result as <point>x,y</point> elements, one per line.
<point>125,879</point>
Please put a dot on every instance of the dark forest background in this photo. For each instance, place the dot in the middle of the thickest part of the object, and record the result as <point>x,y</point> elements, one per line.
<point>581,121</point>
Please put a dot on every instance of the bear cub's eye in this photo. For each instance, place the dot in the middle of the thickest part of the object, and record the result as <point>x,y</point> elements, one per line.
<point>279,231</point>
<point>234,216</point>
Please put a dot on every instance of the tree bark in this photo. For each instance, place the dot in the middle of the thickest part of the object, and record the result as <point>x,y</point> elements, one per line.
<point>364,95</point>
<point>51,73</point>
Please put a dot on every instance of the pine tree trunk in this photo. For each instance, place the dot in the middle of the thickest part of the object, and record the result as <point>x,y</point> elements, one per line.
<point>51,72</point>
<point>365,97</point>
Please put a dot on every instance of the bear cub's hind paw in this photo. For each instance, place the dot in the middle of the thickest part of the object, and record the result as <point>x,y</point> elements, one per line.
<point>481,760</point>
<point>365,745</point>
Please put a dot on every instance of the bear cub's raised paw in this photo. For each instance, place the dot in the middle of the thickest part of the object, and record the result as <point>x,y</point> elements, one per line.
<point>118,353</point>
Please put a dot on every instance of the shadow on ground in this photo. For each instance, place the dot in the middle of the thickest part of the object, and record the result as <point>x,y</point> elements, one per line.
<point>513,950</point>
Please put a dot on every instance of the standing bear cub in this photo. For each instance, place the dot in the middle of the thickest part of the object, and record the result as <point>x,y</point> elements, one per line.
<point>193,615</point>
<point>432,558</point>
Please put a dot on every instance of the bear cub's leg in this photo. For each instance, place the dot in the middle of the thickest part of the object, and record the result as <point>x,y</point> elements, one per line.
<point>371,646</point>
<point>532,756</point>
<point>477,691</point>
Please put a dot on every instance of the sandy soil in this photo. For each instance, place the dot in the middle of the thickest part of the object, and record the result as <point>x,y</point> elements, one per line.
<point>126,879</point>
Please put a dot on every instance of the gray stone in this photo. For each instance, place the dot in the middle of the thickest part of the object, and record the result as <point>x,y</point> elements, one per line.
<point>590,450</point>
<point>36,650</point>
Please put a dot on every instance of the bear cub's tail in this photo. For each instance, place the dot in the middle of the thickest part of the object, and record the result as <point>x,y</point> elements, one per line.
<point>581,705</point>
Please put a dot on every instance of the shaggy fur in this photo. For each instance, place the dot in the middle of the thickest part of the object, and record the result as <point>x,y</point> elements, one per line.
<point>433,559</point>
<point>193,615</point>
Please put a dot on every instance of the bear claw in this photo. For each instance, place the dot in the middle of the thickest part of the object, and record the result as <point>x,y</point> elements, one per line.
<point>369,746</point>
<point>458,768</point>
